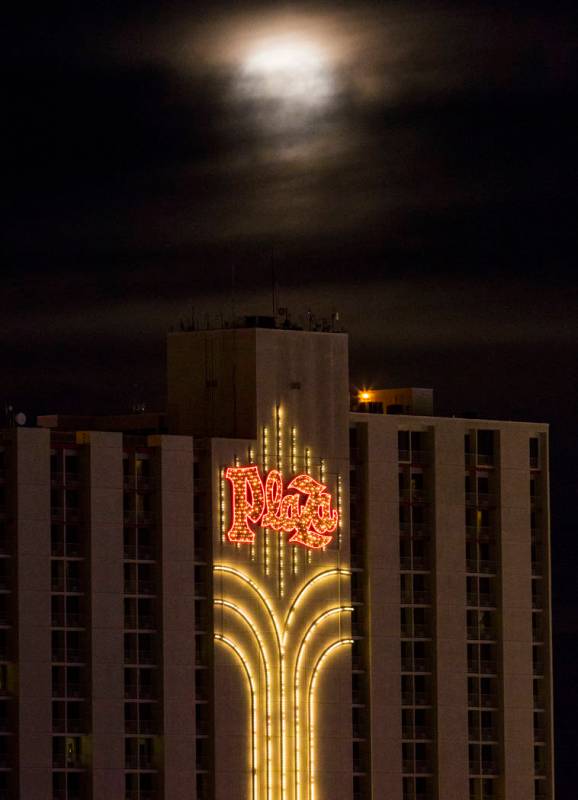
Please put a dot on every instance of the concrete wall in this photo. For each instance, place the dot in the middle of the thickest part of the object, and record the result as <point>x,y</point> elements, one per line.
<point>107,614</point>
<point>178,667</point>
<point>34,644</point>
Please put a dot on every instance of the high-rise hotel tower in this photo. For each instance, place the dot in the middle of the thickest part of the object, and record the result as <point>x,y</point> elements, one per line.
<point>263,595</point>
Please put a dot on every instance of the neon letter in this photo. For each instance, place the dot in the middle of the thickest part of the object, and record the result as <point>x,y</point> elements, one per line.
<point>317,519</point>
<point>248,502</point>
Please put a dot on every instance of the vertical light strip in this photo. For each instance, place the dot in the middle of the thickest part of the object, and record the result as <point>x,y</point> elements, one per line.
<point>309,555</point>
<point>296,686</point>
<point>222,503</point>
<point>251,460</point>
<point>266,666</point>
<point>237,464</point>
<point>265,463</point>
<point>294,550</point>
<point>254,732</point>
<point>265,448</point>
<point>280,539</point>
<point>311,721</point>
<point>339,511</point>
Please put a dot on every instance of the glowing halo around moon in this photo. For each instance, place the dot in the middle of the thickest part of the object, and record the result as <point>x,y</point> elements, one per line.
<point>290,72</point>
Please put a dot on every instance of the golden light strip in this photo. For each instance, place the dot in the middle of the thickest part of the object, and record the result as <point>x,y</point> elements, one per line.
<point>281,652</point>
<point>294,550</point>
<point>339,510</point>
<point>265,461</point>
<point>291,611</point>
<point>309,555</point>
<point>254,732</point>
<point>251,460</point>
<point>280,539</point>
<point>237,463</point>
<point>296,709</point>
<point>311,709</point>
<point>306,588</point>
<point>265,448</point>
<point>249,582</point>
<point>222,503</point>
<point>237,610</point>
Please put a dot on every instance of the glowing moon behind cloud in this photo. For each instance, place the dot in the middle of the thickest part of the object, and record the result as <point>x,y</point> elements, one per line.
<point>289,71</point>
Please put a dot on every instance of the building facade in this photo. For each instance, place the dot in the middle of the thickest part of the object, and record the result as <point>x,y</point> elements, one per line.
<point>263,595</point>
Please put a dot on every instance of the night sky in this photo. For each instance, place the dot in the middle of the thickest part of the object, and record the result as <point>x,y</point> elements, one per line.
<point>411,165</point>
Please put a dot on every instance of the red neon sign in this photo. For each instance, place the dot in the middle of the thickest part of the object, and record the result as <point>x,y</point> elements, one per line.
<point>306,513</point>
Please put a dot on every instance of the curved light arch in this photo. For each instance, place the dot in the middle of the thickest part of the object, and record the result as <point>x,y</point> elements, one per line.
<point>254,733</point>
<point>281,653</point>
<point>296,710</point>
<point>305,589</point>
<point>249,622</point>
<point>251,583</point>
<point>310,709</point>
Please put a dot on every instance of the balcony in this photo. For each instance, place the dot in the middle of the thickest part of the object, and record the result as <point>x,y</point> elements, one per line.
<point>418,497</point>
<point>487,567</point>
<point>488,701</point>
<point>540,735</point>
<point>538,668</point>
<point>67,761</point>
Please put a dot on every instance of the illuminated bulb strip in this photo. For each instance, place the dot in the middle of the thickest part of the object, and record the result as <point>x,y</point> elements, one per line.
<point>311,709</point>
<point>265,449</point>
<point>281,652</point>
<point>339,511</point>
<point>308,471</point>
<point>251,460</point>
<point>247,619</point>
<point>265,461</point>
<point>322,469</point>
<point>280,540</point>
<point>249,582</point>
<point>237,463</point>
<point>254,732</point>
<point>296,686</point>
<point>222,503</point>
<point>295,551</point>
<point>305,589</point>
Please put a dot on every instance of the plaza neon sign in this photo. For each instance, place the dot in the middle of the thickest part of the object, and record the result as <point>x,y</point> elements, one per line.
<point>305,512</point>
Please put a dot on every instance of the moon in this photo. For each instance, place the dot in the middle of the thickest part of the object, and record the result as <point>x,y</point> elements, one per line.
<point>292,72</point>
